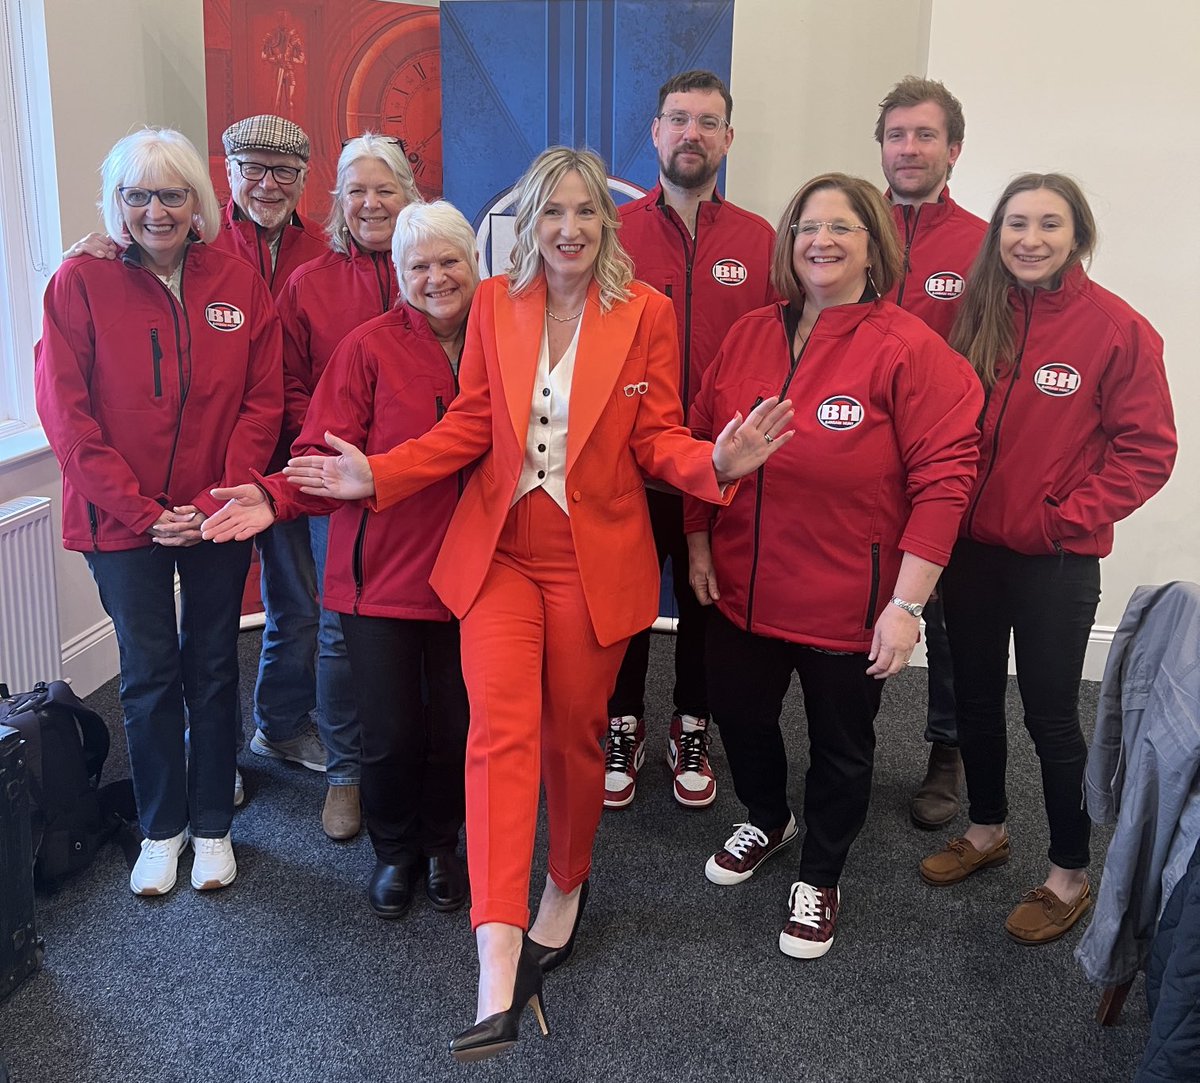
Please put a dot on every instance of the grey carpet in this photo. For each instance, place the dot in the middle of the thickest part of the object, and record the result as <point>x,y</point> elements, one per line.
<point>287,975</point>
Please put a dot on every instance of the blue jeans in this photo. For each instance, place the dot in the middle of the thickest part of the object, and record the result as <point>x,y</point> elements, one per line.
<point>175,671</point>
<point>303,669</point>
<point>337,719</point>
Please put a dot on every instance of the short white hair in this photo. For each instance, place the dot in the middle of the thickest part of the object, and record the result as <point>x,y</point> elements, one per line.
<point>368,145</point>
<point>148,159</point>
<point>421,223</point>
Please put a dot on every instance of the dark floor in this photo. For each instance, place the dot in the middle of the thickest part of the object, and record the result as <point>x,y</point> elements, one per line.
<point>286,976</point>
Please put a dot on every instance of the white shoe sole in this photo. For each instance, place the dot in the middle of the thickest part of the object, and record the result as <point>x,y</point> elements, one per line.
<point>803,949</point>
<point>722,876</point>
<point>683,796</point>
<point>216,883</point>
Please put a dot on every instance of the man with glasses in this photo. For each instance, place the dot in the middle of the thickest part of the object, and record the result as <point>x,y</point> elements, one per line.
<point>920,132</point>
<point>266,158</point>
<point>267,161</point>
<point>712,259</point>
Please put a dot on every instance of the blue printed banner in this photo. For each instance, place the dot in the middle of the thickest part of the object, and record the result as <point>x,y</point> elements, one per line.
<point>521,75</point>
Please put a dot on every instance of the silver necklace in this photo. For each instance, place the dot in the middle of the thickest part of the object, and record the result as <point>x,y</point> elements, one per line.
<point>564,319</point>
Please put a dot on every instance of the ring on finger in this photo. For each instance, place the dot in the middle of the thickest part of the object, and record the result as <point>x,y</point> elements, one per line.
<point>768,438</point>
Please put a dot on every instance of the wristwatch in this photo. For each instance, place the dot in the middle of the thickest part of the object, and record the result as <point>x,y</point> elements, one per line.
<point>913,608</point>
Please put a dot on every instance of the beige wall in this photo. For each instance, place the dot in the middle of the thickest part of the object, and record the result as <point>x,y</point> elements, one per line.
<point>807,79</point>
<point>1094,89</point>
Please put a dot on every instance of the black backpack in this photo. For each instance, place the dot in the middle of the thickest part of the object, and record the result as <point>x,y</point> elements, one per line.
<point>66,745</point>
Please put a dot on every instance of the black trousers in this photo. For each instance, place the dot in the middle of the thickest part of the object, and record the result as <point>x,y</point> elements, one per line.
<point>748,677</point>
<point>690,693</point>
<point>1048,604</point>
<point>412,753</point>
<point>940,725</point>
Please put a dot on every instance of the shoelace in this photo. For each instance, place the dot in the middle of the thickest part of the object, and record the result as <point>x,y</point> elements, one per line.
<point>806,905</point>
<point>745,836</point>
<point>693,750</point>
<point>206,847</point>
<point>157,848</point>
<point>619,753</point>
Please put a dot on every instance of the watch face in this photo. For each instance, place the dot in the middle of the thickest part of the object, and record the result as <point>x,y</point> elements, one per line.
<point>394,87</point>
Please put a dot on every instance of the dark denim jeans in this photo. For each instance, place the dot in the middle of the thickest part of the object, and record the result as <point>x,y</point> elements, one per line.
<point>941,723</point>
<point>178,673</point>
<point>1048,604</point>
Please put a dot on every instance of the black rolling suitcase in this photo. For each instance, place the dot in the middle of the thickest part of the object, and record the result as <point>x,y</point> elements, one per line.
<point>20,946</point>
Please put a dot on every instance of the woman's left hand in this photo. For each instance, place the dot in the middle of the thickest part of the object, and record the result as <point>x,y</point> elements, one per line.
<point>744,446</point>
<point>896,634</point>
<point>178,527</point>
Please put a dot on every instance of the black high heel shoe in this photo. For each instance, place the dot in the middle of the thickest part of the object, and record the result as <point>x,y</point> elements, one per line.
<point>498,1032</point>
<point>549,958</point>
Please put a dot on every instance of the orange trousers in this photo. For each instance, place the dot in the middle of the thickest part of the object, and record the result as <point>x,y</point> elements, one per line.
<point>538,683</point>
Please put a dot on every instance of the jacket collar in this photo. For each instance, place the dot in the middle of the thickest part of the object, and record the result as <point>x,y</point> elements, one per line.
<point>708,210</point>
<point>930,214</point>
<point>1073,283</point>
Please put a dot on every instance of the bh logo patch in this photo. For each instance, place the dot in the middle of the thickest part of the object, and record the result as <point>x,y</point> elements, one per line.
<point>840,412</point>
<point>945,286</point>
<point>223,316</point>
<point>1056,380</point>
<point>729,272</point>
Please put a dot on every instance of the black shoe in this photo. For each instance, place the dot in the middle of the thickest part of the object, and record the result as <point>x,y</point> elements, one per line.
<point>499,1032</point>
<point>390,892</point>
<point>549,958</point>
<point>446,882</point>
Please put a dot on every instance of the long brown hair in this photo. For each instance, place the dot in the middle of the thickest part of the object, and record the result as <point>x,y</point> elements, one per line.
<point>983,331</point>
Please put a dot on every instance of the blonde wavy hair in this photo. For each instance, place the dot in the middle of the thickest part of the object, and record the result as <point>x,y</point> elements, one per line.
<point>613,269</point>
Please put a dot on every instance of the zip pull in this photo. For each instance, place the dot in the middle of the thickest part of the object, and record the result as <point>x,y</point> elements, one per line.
<point>156,356</point>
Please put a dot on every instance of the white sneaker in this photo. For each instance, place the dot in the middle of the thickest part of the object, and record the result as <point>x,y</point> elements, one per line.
<point>214,866</point>
<point>156,867</point>
<point>239,789</point>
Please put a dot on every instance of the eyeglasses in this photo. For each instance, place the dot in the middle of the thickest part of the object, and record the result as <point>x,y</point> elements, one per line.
<point>168,197</point>
<point>636,389</point>
<point>838,229</point>
<point>255,171</point>
<point>677,120</point>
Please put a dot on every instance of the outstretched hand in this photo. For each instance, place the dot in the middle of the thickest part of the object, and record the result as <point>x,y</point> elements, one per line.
<point>246,513</point>
<point>743,446</point>
<point>344,476</point>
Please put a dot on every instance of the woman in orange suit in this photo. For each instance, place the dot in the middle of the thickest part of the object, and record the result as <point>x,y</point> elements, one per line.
<point>568,398</point>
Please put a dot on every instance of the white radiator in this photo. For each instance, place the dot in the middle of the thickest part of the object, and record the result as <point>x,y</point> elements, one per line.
<point>30,647</point>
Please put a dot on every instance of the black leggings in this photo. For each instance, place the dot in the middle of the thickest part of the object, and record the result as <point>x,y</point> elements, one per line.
<point>1048,604</point>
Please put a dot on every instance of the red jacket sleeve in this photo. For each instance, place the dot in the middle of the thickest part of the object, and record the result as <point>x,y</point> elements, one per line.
<point>1137,417</point>
<point>698,514</point>
<point>63,362</point>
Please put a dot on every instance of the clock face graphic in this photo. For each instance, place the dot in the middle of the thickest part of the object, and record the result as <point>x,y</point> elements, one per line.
<point>393,86</point>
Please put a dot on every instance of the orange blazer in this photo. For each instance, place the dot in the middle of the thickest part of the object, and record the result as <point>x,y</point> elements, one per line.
<point>613,439</point>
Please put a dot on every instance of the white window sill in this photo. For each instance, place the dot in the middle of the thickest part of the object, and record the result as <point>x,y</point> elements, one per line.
<point>24,444</point>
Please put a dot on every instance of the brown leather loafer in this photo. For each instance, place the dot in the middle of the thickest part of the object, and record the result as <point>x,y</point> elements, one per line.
<point>959,859</point>
<point>1041,916</point>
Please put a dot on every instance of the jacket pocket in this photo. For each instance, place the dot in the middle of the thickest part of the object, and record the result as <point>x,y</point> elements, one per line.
<point>156,361</point>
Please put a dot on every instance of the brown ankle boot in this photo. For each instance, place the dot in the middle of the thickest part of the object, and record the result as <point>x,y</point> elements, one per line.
<point>936,803</point>
<point>342,815</point>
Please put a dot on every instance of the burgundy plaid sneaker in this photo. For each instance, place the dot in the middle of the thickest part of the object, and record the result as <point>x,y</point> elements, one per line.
<point>624,751</point>
<point>745,850</point>
<point>809,931</point>
<point>687,756</point>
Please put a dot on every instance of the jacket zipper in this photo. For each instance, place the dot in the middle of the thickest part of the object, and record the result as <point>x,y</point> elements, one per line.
<point>1012,383</point>
<point>95,526</point>
<point>384,282</point>
<point>357,562</point>
<point>910,233</point>
<point>689,255</point>
<point>761,478</point>
<point>184,384</point>
<point>873,600</point>
<point>156,356</point>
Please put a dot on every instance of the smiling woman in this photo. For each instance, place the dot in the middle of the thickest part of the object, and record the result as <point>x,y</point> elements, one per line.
<point>137,468</point>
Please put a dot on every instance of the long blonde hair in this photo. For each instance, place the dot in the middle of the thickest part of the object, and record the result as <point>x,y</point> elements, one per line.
<point>983,331</point>
<point>613,269</point>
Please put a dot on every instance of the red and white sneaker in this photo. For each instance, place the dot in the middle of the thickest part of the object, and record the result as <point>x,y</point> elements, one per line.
<point>687,756</point>
<point>808,933</point>
<point>624,753</point>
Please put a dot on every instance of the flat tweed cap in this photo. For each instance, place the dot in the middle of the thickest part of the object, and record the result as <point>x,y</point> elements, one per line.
<point>266,132</point>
